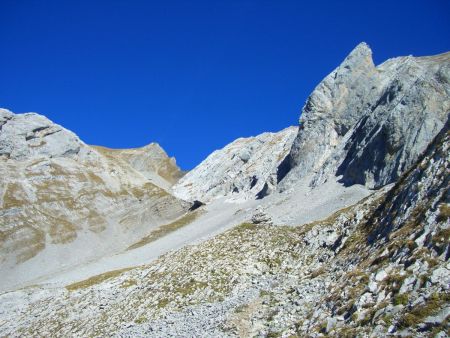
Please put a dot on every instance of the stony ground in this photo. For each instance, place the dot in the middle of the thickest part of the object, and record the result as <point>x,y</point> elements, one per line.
<point>252,280</point>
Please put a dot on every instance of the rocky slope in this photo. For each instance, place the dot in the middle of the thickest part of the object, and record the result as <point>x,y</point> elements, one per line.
<point>374,269</point>
<point>63,202</point>
<point>244,169</point>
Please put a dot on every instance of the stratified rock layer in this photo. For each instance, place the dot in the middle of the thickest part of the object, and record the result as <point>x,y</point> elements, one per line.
<point>62,202</point>
<point>151,161</point>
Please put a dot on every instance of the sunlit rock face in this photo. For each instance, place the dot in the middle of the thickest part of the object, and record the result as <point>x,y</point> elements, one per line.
<point>62,201</point>
<point>369,124</point>
<point>364,124</point>
<point>151,161</point>
<point>245,169</point>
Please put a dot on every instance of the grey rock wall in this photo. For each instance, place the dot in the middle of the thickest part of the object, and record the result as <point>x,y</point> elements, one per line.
<point>368,124</point>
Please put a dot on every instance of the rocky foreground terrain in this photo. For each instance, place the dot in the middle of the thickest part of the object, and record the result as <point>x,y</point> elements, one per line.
<point>339,227</point>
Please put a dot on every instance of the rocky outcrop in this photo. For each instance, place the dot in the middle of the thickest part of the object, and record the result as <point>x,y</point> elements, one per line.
<point>27,136</point>
<point>63,202</point>
<point>363,124</point>
<point>245,169</point>
<point>398,127</point>
<point>369,124</point>
<point>333,108</point>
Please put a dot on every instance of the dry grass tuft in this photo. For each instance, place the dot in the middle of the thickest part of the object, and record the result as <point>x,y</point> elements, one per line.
<point>163,230</point>
<point>96,279</point>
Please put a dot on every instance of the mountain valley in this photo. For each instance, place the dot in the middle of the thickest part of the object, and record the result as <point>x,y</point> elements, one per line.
<point>336,227</point>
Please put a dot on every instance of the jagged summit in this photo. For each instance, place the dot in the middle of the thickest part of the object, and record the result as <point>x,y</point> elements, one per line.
<point>330,98</point>
<point>362,53</point>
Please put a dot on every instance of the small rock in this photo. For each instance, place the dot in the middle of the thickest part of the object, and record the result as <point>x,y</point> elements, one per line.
<point>439,318</point>
<point>380,275</point>
<point>408,284</point>
<point>440,276</point>
<point>373,286</point>
<point>331,323</point>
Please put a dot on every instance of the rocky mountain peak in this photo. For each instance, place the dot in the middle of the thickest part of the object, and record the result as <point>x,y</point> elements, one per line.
<point>65,202</point>
<point>331,98</point>
<point>369,124</point>
<point>362,53</point>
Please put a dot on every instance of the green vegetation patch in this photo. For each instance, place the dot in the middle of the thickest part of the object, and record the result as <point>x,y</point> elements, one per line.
<point>245,227</point>
<point>401,299</point>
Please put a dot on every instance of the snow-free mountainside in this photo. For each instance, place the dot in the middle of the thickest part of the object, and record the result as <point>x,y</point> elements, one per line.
<point>336,227</point>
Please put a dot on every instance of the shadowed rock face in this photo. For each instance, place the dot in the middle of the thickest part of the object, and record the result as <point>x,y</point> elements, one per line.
<point>369,124</point>
<point>333,108</point>
<point>63,202</point>
<point>397,128</point>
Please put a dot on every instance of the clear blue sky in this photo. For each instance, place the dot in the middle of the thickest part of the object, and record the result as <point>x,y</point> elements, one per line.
<point>192,75</point>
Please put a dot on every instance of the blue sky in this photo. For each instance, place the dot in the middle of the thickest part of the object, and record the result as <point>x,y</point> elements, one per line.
<point>192,75</point>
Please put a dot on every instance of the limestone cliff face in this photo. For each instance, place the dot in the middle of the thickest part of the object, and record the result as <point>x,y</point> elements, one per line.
<point>397,128</point>
<point>63,202</point>
<point>245,169</point>
<point>333,109</point>
<point>370,124</point>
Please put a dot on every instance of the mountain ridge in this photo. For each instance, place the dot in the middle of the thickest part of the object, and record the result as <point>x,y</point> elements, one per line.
<point>59,195</point>
<point>337,227</point>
